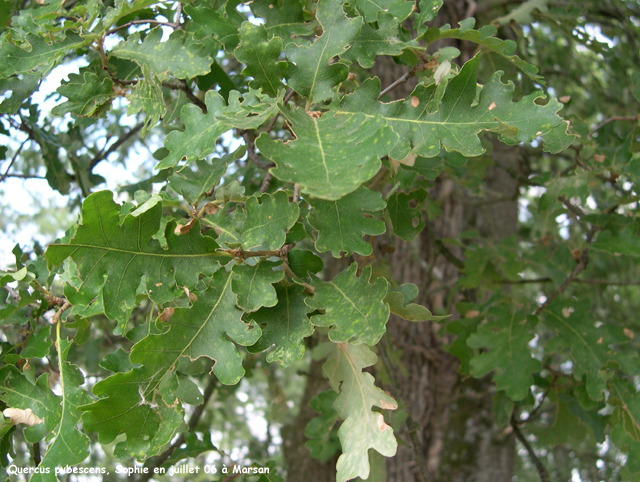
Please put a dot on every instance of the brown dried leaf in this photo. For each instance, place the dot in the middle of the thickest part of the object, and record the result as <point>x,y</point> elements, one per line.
<point>18,415</point>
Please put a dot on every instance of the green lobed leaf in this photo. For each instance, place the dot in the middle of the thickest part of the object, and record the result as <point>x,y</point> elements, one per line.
<point>285,326</point>
<point>428,11</point>
<point>180,56</point>
<point>255,108</point>
<point>506,334</point>
<point>260,55</point>
<point>16,60</point>
<point>323,439</point>
<point>622,241</point>
<point>254,285</point>
<point>399,9</point>
<point>21,88</point>
<point>70,446</point>
<point>89,95</point>
<point>405,213</point>
<point>486,38</point>
<point>461,116</point>
<point>194,184</point>
<point>627,401</point>
<point>331,155</point>
<point>311,74</point>
<point>18,392</point>
<point>117,361</point>
<point>389,38</point>
<point>146,96</point>
<point>302,261</point>
<point>209,22</point>
<point>399,302</point>
<point>123,8</point>
<point>198,140</point>
<point>576,331</point>
<point>362,429</point>
<point>268,219</point>
<point>342,223</point>
<point>208,329</point>
<point>353,307</point>
<point>226,225</point>
<point>38,344</point>
<point>283,18</point>
<point>522,14</point>
<point>113,258</point>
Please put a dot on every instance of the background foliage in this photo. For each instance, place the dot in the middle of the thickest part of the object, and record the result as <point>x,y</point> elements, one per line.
<point>280,186</point>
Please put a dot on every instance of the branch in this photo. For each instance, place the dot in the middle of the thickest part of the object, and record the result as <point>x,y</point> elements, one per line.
<point>143,22</point>
<point>613,119</point>
<point>582,263</point>
<point>579,213</point>
<point>251,151</point>
<point>287,97</point>
<point>542,471</point>
<point>58,314</point>
<point>156,462</point>
<point>424,64</point>
<point>13,160</point>
<point>266,182</point>
<point>184,87</point>
<point>177,85</point>
<point>448,255</point>
<point>101,156</point>
<point>578,280</point>
<point>537,408</point>
<point>24,176</point>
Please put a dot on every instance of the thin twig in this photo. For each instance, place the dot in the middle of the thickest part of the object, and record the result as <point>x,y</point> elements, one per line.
<point>405,77</point>
<point>579,280</point>
<point>142,22</point>
<point>101,156</point>
<point>448,255</point>
<point>424,64</point>
<point>184,87</point>
<point>296,192</point>
<point>537,408</point>
<point>13,160</point>
<point>24,176</point>
<point>579,213</point>
<point>177,21</point>
<point>157,461</point>
<point>266,182</point>
<point>582,263</point>
<point>251,151</point>
<point>54,300</point>
<point>607,282</point>
<point>613,119</point>
<point>542,471</point>
<point>287,97</point>
<point>56,316</point>
<point>582,260</point>
<point>177,85</point>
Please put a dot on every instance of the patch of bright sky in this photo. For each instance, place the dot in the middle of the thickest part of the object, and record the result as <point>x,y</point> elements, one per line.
<point>27,196</point>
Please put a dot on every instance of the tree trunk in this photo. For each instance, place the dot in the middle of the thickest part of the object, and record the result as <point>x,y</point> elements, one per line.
<point>459,439</point>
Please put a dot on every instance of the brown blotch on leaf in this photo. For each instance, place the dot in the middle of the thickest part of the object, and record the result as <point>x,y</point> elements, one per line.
<point>166,314</point>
